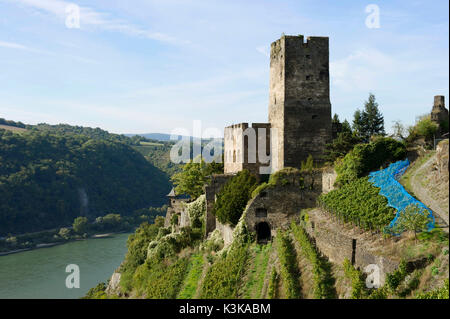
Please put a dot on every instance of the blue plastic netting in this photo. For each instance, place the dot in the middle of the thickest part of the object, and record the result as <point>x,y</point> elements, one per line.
<point>397,196</point>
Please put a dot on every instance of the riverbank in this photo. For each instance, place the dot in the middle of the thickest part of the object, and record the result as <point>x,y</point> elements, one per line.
<point>48,245</point>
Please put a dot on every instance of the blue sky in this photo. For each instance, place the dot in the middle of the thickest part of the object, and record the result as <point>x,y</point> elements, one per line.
<point>150,66</point>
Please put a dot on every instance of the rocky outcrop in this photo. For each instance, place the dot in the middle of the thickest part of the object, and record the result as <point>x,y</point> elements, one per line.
<point>113,287</point>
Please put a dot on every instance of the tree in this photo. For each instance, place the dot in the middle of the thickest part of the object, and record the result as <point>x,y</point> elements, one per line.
<point>399,130</point>
<point>233,197</point>
<point>80,225</point>
<point>413,218</point>
<point>159,221</point>
<point>370,121</point>
<point>193,177</point>
<point>341,145</point>
<point>64,233</point>
<point>424,128</point>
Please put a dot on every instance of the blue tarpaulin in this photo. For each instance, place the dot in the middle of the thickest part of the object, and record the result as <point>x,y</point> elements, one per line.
<point>395,193</point>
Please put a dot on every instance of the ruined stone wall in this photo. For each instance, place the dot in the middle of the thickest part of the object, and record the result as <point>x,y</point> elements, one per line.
<point>278,205</point>
<point>226,232</point>
<point>234,148</point>
<point>299,105</point>
<point>176,206</point>
<point>329,176</point>
<point>216,183</point>
<point>243,146</point>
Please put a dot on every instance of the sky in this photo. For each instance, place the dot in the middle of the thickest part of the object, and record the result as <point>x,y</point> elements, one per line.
<point>146,66</point>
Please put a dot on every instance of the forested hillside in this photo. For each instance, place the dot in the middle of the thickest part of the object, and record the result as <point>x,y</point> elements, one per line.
<point>50,175</point>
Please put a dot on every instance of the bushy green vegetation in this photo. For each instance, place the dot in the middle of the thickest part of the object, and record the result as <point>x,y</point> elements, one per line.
<point>365,158</point>
<point>46,179</point>
<point>438,293</point>
<point>232,199</point>
<point>394,279</point>
<point>359,203</point>
<point>289,272</point>
<point>98,292</point>
<point>197,212</point>
<point>289,175</point>
<point>424,128</point>
<point>323,280</point>
<point>194,176</point>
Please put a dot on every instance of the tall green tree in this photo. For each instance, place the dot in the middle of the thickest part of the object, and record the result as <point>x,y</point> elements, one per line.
<point>369,121</point>
<point>233,197</point>
<point>413,218</point>
<point>193,177</point>
<point>80,225</point>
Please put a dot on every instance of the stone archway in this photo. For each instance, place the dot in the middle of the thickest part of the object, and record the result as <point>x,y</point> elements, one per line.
<point>263,232</point>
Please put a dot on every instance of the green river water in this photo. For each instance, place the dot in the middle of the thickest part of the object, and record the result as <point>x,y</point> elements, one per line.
<point>41,273</point>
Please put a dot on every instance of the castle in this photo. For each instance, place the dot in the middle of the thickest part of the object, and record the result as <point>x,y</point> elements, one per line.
<point>299,111</point>
<point>299,126</point>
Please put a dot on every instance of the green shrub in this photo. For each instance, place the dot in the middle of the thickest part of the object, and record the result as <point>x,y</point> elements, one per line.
<point>439,293</point>
<point>394,279</point>
<point>365,158</point>
<point>233,198</point>
<point>424,128</point>
<point>196,212</point>
<point>97,292</point>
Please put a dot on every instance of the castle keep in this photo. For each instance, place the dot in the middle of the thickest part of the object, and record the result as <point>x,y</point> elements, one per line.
<point>299,111</point>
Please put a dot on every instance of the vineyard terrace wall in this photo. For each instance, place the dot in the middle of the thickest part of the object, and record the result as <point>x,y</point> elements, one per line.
<point>339,244</point>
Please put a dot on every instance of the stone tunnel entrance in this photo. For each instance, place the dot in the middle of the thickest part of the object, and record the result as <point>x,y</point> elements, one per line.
<point>263,233</point>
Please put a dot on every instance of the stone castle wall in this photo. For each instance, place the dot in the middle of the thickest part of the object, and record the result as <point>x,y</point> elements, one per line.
<point>278,205</point>
<point>243,146</point>
<point>339,244</point>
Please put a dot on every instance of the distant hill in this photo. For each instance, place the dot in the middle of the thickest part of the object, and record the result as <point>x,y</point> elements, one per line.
<point>158,136</point>
<point>166,137</point>
<point>12,128</point>
<point>50,174</point>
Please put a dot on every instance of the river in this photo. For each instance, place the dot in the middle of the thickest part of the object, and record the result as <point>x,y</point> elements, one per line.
<point>41,273</point>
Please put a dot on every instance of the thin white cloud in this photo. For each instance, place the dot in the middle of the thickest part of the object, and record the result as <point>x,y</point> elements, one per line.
<point>18,46</point>
<point>91,17</point>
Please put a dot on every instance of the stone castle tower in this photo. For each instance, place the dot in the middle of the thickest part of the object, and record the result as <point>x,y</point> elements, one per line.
<point>439,113</point>
<point>299,105</point>
<point>299,110</point>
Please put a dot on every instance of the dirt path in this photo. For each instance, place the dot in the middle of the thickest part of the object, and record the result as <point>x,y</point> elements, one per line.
<point>422,194</point>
